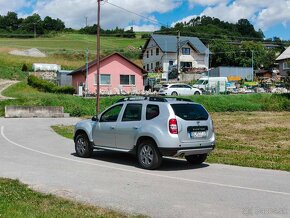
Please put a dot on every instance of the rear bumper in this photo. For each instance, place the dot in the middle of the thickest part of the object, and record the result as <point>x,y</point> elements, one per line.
<point>175,152</point>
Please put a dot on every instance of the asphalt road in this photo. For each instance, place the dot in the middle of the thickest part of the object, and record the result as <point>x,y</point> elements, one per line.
<point>33,153</point>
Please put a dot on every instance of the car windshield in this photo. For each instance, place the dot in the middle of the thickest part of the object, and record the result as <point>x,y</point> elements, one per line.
<point>199,82</point>
<point>164,86</point>
<point>190,111</point>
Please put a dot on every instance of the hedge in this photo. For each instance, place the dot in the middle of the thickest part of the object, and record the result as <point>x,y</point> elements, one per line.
<point>46,86</point>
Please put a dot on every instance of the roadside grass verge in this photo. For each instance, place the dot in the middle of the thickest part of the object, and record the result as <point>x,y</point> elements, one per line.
<point>65,131</point>
<point>250,139</point>
<point>18,200</point>
<point>253,139</point>
<point>28,96</point>
<point>77,106</point>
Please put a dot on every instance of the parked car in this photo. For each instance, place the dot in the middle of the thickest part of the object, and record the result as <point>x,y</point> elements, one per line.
<point>150,128</point>
<point>216,84</point>
<point>179,89</point>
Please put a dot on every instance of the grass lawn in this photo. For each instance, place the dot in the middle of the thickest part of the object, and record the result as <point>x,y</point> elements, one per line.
<point>18,200</point>
<point>252,139</point>
<point>76,106</point>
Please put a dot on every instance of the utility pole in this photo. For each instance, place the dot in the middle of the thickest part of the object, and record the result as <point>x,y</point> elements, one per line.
<point>208,69</point>
<point>86,20</point>
<point>34,30</point>
<point>98,59</point>
<point>253,64</point>
<point>87,71</point>
<point>177,47</point>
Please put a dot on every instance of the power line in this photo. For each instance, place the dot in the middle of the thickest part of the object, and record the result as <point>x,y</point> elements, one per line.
<point>140,15</point>
<point>158,22</point>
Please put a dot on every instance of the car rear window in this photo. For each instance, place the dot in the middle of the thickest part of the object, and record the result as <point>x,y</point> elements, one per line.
<point>190,111</point>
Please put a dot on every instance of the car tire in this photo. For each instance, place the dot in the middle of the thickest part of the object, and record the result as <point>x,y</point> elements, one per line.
<point>196,93</point>
<point>148,155</point>
<point>174,93</point>
<point>83,146</point>
<point>196,159</point>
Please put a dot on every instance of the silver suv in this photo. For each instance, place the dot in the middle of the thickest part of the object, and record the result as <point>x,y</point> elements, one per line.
<point>149,127</point>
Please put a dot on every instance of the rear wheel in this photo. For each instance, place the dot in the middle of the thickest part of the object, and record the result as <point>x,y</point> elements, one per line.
<point>196,159</point>
<point>174,93</point>
<point>148,155</point>
<point>196,93</point>
<point>83,146</point>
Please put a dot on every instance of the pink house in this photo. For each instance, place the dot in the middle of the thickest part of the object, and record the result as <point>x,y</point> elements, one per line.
<point>117,75</point>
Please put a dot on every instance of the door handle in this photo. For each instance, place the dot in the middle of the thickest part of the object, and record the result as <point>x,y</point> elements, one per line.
<point>112,127</point>
<point>135,127</point>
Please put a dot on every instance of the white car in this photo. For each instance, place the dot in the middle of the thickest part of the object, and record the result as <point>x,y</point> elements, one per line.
<point>179,89</point>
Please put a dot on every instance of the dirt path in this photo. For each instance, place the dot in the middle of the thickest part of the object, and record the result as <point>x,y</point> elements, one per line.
<point>4,84</point>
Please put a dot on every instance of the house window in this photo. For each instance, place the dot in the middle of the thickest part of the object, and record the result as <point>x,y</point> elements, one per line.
<point>157,64</point>
<point>147,54</point>
<point>105,79</point>
<point>151,52</point>
<point>147,67</point>
<point>151,66</point>
<point>185,64</point>
<point>186,51</point>
<point>157,51</point>
<point>127,79</point>
<point>285,66</point>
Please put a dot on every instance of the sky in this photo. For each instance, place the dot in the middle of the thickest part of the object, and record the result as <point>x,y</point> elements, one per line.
<point>271,16</point>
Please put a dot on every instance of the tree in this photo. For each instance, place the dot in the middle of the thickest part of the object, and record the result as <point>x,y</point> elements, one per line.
<point>10,21</point>
<point>32,23</point>
<point>48,23</point>
<point>59,25</point>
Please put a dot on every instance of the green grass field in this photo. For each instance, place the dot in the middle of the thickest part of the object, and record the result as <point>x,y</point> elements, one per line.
<point>76,106</point>
<point>67,50</point>
<point>18,200</point>
<point>72,42</point>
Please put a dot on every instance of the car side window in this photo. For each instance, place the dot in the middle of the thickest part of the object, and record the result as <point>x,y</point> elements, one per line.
<point>175,86</point>
<point>132,112</point>
<point>152,111</point>
<point>112,114</point>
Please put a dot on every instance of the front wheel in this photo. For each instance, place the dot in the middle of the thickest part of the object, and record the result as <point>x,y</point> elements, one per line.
<point>174,93</point>
<point>148,155</point>
<point>196,159</point>
<point>82,146</point>
<point>196,93</point>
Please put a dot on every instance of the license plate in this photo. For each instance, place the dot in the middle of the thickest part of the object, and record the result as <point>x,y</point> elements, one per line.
<point>200,134</point>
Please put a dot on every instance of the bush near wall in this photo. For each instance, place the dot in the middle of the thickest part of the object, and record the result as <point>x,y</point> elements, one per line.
<point>46,86</point>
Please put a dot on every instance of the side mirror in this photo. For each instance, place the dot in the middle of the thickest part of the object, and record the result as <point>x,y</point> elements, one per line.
<point>95,118</point>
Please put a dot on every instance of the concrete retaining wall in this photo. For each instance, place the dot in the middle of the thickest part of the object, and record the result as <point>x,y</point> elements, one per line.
<point>34,111</point>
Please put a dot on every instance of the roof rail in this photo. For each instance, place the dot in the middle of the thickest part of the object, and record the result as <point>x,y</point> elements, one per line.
<point>152,98</point>
<point>179,99</point>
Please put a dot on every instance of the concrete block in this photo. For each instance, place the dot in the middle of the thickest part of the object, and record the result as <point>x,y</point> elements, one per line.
<point>34,111</point>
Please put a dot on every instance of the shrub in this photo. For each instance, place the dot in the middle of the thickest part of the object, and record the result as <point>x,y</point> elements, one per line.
<point>24,68</point>
<point>45,86</point>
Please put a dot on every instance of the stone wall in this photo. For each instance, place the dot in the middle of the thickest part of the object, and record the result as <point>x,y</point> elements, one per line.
<point>46,75</point>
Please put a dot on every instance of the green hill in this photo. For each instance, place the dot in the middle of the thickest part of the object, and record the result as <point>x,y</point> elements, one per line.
<point>67,50</point>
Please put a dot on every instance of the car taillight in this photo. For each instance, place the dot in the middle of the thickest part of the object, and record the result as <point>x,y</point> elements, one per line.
<point>212,125</point>
<point>173,128</point>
